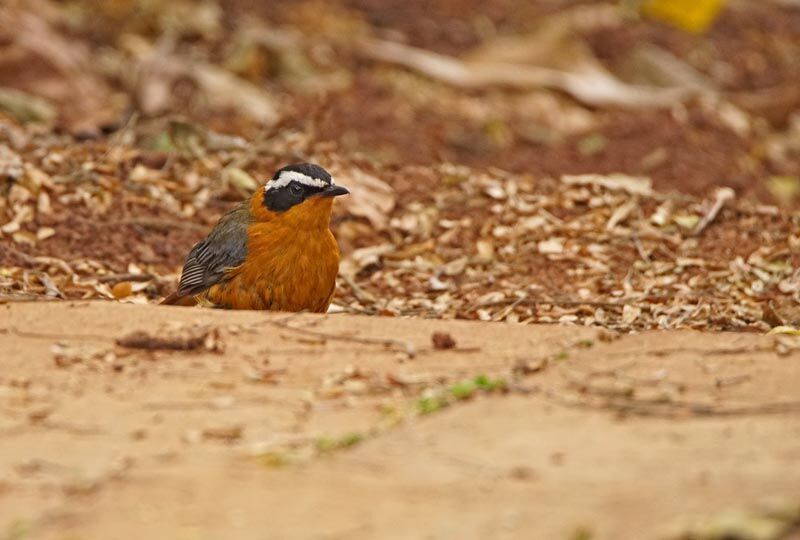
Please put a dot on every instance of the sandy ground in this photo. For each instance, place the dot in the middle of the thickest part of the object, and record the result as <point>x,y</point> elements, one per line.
<point>310,427</point>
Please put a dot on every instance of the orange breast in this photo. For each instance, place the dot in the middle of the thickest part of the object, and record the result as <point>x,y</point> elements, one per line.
<point>291,265</point>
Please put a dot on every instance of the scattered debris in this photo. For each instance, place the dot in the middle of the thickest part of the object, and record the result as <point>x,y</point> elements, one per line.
<point>523,367</point>
<point>435,399</point>
<point>327,444</point>
<point>721,196</point>
<point>777,521</point>
<point>182,339</point>
<point>224,433</point>
<point>443,341</point>
<point>68,355</point>
<point>371,198</point>
<point>586,81</point>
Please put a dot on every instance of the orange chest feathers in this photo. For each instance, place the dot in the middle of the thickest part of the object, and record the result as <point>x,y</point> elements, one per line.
<point>289,267</point>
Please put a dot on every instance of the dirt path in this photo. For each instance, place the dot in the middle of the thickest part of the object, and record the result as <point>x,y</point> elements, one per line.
<point>291,433</point>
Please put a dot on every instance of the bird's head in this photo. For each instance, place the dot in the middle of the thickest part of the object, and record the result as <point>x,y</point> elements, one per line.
<point>302,194</point>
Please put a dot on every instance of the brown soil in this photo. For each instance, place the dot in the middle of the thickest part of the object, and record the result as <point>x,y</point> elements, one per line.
<point>303,429</point>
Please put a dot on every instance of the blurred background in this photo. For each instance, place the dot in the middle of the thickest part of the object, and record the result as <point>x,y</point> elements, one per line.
<point>128,126</point>
<point>259,69</point>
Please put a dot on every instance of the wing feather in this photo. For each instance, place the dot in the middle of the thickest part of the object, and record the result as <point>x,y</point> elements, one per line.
<point>224,248</point>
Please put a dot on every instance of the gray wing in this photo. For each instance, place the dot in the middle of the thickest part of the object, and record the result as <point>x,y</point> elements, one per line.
<point>225,247</point>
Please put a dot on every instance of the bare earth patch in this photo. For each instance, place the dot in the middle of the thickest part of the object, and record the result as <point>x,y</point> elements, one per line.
<point>297,426</point>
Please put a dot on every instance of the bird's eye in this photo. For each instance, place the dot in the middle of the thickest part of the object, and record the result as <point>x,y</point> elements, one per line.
<point>296,189</point>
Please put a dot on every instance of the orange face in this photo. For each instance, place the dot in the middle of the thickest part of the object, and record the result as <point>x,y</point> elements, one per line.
<point>313,213</point>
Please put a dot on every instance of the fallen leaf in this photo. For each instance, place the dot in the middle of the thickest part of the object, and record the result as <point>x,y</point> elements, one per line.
<point>26,107</point>
<point>790,330</point>
<point>44,233</point>
<point>686,221</point>
<point>159,70</point>
<point>24,237</point>
<point>10,163</point>
<point>785,189</point>
<point>630,313</point>
<point>369,198</point>
<point>635,185</point>
<point>621,214</point>
<point>64,81</point>
<point>239,180</point>
<point>551,246</point>
<point>364,258</point>
<point>552,55</point>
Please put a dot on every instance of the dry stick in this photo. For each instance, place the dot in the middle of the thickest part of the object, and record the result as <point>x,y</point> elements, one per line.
<point>72,429</point>
<point>360,311</point>
<point>503,313</point>
<point>188,405</point>
<point>159,224</point>
<point>626,403</point>
<point>694,350</point>
<point>568,303</point>
<point>670,409</point>
<point>602,372</point>
<point>721,195</point>
<point>591,85</point>
<point>358,292</point>
<point>50,261</point>
<point>114,278</point>
<point>403,346</point>
<point>703,409</point>
<point>116,139</point>
<point>583,380</point>
<point>25,297</point>
<point>45,335</point>
<point>640,248</point>
<point>725,382</point>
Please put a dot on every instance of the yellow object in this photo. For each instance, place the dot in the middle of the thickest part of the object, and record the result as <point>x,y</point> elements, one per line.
<point>690,15</point>
<point>792,331</point>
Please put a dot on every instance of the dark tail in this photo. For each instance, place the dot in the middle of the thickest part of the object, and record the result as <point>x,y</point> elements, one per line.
<point>176,300</point>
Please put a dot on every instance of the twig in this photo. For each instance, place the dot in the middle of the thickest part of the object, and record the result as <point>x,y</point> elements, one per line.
<point>604,372</point>
<point>25,297</point>
<point>587,83</point>
<point>360,311</point>
<point>360,294</point>
<point>114,278</point>
<point>724,382</point>
<point>210,404</point>
<point>116,140</point>
<point>43,260</point>
<point>45,335</point>
<point>503,313</point>
<point>566,303</point>
<point>721,195</point>
<point>693,350</point>
<point>640,248</point>
<point>72,429</point>
<point>670,409</point>
<point>621,213</point>
<point>400,345</point>
<point>158,224</point>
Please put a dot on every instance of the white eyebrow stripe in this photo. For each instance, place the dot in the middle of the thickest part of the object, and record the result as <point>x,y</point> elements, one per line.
<point>288,176</point>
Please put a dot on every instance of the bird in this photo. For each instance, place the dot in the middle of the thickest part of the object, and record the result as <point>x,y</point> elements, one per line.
<point>273,251</point>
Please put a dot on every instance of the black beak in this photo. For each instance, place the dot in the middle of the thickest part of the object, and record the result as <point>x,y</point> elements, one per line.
<point>334,191</point>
